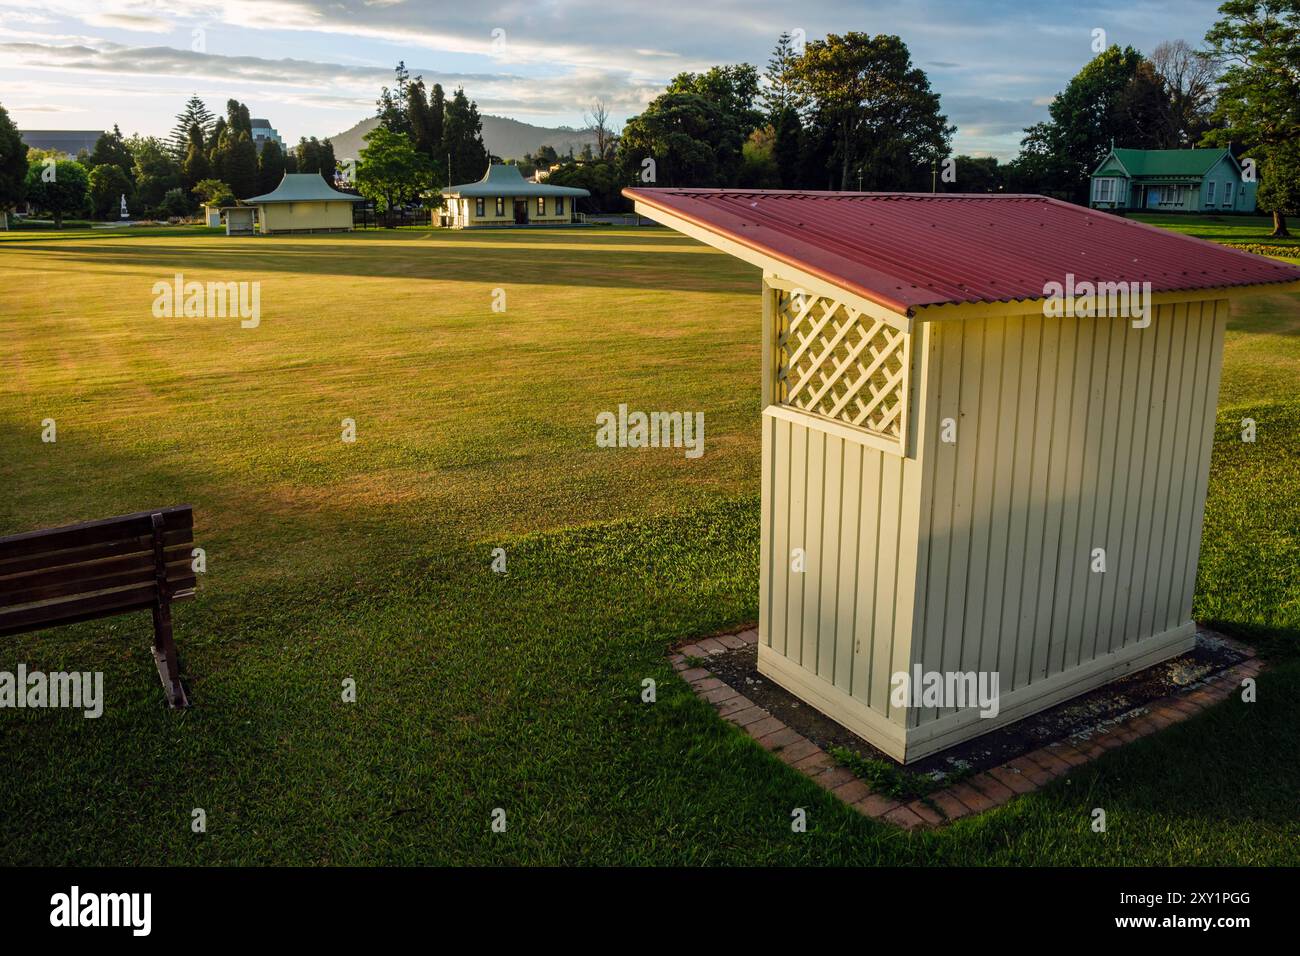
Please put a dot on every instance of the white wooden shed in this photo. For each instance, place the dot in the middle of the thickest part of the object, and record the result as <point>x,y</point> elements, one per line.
<point>977,460</point>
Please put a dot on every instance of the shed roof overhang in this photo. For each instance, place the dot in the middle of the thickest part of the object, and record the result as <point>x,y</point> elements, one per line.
<point>902,256</point>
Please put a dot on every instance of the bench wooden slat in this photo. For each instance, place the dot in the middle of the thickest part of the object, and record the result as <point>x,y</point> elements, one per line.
<point>54,557</point>
<point>31,617</point>
<point>135,525</point>
<point>87,612</point>
<point>179,575</point>
<point>45,574</point>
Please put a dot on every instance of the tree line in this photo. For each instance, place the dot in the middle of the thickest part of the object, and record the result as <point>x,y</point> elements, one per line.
<point>424,140</point>
<point>205,159</point>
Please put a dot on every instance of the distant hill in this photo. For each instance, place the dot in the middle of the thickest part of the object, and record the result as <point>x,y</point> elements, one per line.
<point>506,138</point>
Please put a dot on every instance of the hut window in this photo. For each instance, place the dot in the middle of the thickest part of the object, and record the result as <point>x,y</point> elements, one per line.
<point>559,205</point>
<point>837,363</point>
<point>1105,190</point>
<point>541,205</point>
<point>1227,195</point>
<point>501,205</point>
<point>478,208</point>
<point>1209,192</point>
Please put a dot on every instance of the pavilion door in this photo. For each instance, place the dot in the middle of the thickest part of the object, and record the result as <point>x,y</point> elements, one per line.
<point>521,212</point>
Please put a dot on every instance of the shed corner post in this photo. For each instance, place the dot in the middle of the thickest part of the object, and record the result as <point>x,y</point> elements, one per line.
<point>769,338</point>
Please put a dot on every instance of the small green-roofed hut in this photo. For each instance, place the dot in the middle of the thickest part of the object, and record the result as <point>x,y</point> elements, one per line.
<point>304,202</point>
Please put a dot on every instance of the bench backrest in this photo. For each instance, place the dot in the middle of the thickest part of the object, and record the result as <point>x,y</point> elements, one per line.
<point>95,569</point>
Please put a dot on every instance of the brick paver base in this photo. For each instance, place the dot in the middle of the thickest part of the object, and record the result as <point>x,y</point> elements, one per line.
<point>986,790</point>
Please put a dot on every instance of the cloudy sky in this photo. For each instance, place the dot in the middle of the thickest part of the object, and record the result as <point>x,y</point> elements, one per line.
<point>314,67</point>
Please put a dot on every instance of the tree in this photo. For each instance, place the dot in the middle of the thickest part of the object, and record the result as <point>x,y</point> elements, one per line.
<point>270,167</point>
<point>436,116</point>
<point>601,178</point>
<point>462,138</point>
<point>195,113</point>
<point>758,169</point>
<point>153,169</point>
<point>1188,76</point>
<point>417,117</point>
<point>598,122</point>
<point>61,188</point>
<point>1279,186</point>
<point>236,162</point>
<point>779,92</point>
<point>111,148</point>
<point>885,118</point>
<point>392,104</point>
<point>390,171</point>
<point>316,156</point>
<point>108,184</point>
<point>196,166</point>
<point>1259,92</point>
<point>237,118</point>
<point>13,163</point>
<point>787,147</point>
<point>733,89</point>
<point>213,192</point>
<point>976,174</point>
<point>175,204</point>
<point>1142,111</point>
<point>691,141</point>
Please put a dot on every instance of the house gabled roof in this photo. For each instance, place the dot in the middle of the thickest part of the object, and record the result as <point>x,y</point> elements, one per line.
<point>303,187</point>
<point>1166,163</point>
<point>904,251</point>
<point>503,180</point>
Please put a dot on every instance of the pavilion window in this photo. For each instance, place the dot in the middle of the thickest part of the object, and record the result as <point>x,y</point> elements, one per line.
<point>559,205</point>
<point>1209,193</point>
<point>501,205</point>
<point>541,205</point>
<point>1105,190</point>
<point>1227,195</point>
<point>478,207</point>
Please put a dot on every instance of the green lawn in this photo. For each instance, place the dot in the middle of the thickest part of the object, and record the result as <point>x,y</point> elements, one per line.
<point>371,560</point>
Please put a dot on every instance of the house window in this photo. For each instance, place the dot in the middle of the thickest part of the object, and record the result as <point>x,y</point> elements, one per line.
<point>1227,195</point>
<point>541,205</point>
<point>559,205</point>
<point>1209,193</point>
<point>1105,190</point>
<point>501,205</point>
<point>1171,195</point>
<point>478,208</point>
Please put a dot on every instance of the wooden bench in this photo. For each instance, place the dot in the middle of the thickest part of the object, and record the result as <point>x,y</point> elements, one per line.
<point>101,568</point>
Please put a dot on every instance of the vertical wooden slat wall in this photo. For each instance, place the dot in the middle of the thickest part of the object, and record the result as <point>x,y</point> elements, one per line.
<point>839,501</point>
<point>1072,435</point>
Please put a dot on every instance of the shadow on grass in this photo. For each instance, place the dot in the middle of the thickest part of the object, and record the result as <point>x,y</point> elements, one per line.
<point>676,264</point>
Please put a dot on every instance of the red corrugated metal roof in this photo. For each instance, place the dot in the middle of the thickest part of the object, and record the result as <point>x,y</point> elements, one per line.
<point>904,250</point>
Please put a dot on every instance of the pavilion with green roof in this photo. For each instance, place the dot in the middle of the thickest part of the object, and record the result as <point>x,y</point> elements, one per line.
<point>303,202</point>
<point>1173,180</point>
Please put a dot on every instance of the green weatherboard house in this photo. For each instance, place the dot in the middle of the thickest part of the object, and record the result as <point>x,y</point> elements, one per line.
<point>1175,180</point>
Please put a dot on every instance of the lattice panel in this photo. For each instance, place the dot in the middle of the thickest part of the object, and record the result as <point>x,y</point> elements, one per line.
<point>836,362</point>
